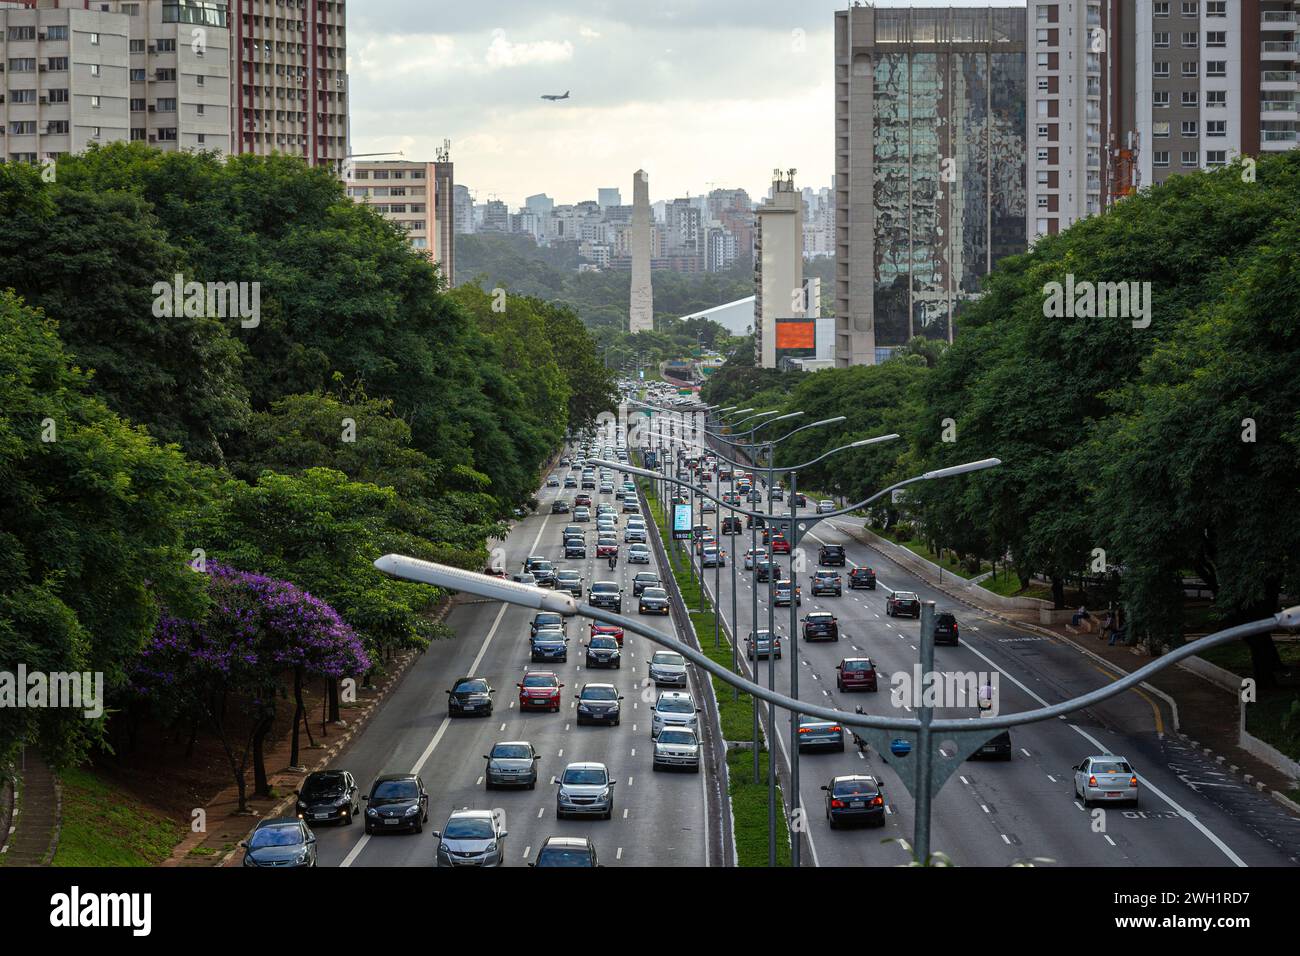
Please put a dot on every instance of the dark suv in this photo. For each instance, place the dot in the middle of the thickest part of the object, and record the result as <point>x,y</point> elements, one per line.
<point>606,594</point>
<point>862,578</point>
<point>821,626</point>
<point>768,568</point>
<point>831,554</point>
<point>903,603</point>
<point>827,582</point>
<point>945,628</point>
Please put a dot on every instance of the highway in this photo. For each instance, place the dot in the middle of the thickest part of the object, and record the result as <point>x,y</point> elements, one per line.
<point>994,813</point>
<point>659,818</point>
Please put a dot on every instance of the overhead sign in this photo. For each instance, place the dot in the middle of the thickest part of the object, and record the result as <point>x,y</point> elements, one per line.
<point>651,459</point>
<point>681,522</point>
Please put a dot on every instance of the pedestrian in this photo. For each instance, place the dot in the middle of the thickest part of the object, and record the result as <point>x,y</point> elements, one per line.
<point>1107,625</point>
<point>1080,615</point>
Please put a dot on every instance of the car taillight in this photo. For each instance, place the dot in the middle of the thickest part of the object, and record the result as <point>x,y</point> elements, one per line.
<point>836,729</point>
<point>837,804</point>
<point>804,730</point>
<point>1133,781</point>
<point>877,801</point>
<point>1092,781</point>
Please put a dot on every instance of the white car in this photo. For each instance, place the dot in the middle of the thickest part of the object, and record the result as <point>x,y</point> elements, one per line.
<point>825,506</point>
<point>638,554</point>
<point>677,747</point>
<point>1106,779</point>
<point>754,555</point>
<point>674,708</point>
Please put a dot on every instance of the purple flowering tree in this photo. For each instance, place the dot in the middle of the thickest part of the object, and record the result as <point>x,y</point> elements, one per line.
<point>257,630</point>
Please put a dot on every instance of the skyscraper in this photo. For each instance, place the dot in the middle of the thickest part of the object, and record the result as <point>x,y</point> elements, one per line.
<point>778,269</point>
<point>641,316</point>
<point>929,167</point>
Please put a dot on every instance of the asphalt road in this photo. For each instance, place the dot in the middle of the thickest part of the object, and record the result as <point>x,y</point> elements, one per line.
<point>659,817</point>
<point>994,813</point>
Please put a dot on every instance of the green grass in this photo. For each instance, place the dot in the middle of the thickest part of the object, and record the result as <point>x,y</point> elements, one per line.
<point>1271,718</point>
<point>749,808</point>
<point>1235,657</point>
<point>1007,583</point>
<point>104,826</point>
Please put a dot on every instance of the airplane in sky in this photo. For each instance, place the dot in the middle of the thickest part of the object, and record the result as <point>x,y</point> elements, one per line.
<point>555,96</point>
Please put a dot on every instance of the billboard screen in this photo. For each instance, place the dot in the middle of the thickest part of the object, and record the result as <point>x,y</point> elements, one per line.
<point>681,522</point>
<point>796,334</point>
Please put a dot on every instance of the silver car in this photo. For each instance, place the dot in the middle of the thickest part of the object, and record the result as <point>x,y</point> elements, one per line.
<point>753,555</point>
<point>825,506</point>
<point>668,667</point>
<point>674,708</point>
<point>1106,780</point>
<point>511,763</point>
<point>638,554</point>
<point>677,747</point>
<point>821,734</point>
<point>585,788</point>
<point>760,644</point>
<point>471,838</point>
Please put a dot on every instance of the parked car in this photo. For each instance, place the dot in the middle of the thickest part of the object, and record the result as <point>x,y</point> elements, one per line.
<point>827,582</point>
<point>903,603</point>
<point>397,801</point>
<point>862,578</point>
<point>511,763</point>
<point>283,842</point>
<point>821,626</point>
<point>854,798</point>
<point>856,673</point>
<point>471,838</point>
<point>831,555</point>
<point>328,795</point>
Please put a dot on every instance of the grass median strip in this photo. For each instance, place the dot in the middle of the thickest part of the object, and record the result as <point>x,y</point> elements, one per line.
<point>749,801</point>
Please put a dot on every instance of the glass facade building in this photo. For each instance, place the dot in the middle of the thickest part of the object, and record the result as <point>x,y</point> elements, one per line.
<point>937,97</point>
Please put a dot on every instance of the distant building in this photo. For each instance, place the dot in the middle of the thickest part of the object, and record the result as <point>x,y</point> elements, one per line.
<point>641,305</point>
<point>609,197</point>
<point>778,269</point>
<point>463,209</point>
<point>412,195</point>
<point>496,216</point>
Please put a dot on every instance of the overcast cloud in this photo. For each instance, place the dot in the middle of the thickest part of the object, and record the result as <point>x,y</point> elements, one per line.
<point>699,93</point>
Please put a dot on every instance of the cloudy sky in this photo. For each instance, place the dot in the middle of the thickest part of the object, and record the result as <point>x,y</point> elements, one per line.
<point>699,93</point>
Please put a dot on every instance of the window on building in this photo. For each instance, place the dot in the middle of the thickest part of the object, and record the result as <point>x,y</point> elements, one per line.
<point>1160,68</point>
<point>1216,38</point>
<point>1191,68</point>
<point>1160,130</point>
<point>1216,128</point>
<point>56,32</point>
<point>137,46</point>
<point>166,45</point>
<point>94,39</point>
<point>1160,99</point>
<point>1160,40</point>
<point>1190,98</point>
<point>137,106</point>
<point>1160,8</point>
<point>137,135</point>
<point>1190,8</point>
<point>1189,157</point>
<point>1216,8</point>
<point>137,76</point>
<point>1191,128</point>
<point>57,96</point>
<point>1191,39</point>
<point>1160,157</point>
<point>1216,157</point>
<point>94,69</point>
<point>1216,98</point>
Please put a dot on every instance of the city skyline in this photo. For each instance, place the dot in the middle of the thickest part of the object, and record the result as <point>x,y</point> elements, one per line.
<point>682,120</point>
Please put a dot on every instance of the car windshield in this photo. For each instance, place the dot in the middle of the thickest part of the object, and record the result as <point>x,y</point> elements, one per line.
<point>1110,766</point>
<point>581,776</point>
<point>758,635</point>
<point>653,593</point>
<point>511,752</point>
<point>568,575</point>
<point>604,642</point>
<point>395,790</point>
<point>321,784</point>
<point>857,665</point>
<point>668,657</point>
<point>290,835</point>
<point>604,587</point>
<point>854,788</point>
<point>549,635</point>
<point>564,857</point>
<point>905,596</point>
<point>538,680</point>
<point>676,737</point>
<point>541,565</point>
<point>819,617</point>
<point>472,687</point>
<point>468,828</point>
<point>675,705</point>
<point>599,693</point>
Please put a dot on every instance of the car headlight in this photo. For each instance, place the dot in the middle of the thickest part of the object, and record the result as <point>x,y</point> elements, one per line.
<point>372,812</point>
<point>342,801</point>
<point>302,857</point>
<point>443,848</point>
<point>410,811</point>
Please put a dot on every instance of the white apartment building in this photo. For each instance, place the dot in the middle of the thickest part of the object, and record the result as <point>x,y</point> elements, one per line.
<point>407,193</point>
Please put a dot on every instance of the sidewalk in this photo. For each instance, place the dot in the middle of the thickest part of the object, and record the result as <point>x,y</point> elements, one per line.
<point>1204,713</point>
<point>34,820</point>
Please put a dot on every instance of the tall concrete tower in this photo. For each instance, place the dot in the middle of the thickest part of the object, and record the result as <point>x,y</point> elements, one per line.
<point>641,308</point>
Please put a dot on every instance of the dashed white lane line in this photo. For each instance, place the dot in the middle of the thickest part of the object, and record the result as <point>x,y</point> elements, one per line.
<point>479,781</point>
<point>1108,839</point>
<point>527,850</point>
<point>540,811</point>
<point>619,854</point>
<point>625,813</point>
<point>1006,839</point>
<point>964,780</point>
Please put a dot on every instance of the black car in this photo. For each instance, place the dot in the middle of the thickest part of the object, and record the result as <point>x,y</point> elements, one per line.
<point>570,581</point>
<point>544,574</point>
<point>559,507</point>
<point>548,644</point>
<point>469,696</point>
<point>945,628</point>
<point>831,555</point>
<point>284,842</point>
<point>643,580</point>
<point>603,652</point>
<point>755,522</point>
<point>606,594</point>
<point>575,547</point>
<point>397,801</point>
<point>827,582</point>
<point>766,569</point>
<point>999,747</point>
<point>731,525</point>
<point>567,851</point>
<point>903,603</point>
<point>854,798</point>
<point>328,795</point>
<point>862,578</point>
<point>546,619</point>
<point>821,626</point>
<point>599,703</point>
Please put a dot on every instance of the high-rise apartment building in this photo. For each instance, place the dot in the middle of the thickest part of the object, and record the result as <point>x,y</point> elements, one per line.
<point>609,197</point>
<point>463,209</point>
<point>778,267</point>
<point>1070,44</point>
<point>289,81</point>
<point>929,167</point>
<point>415,196</point>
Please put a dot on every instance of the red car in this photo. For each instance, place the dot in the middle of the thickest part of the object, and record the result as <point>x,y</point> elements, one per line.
<point>540,689</point>
<point>582,501</point>
<point>605,549</point>
<point>780,544</point>
<point>608,630</point>
<point>855,673</point>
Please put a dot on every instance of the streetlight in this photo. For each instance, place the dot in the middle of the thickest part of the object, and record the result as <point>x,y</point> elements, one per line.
<point>967,733</point>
